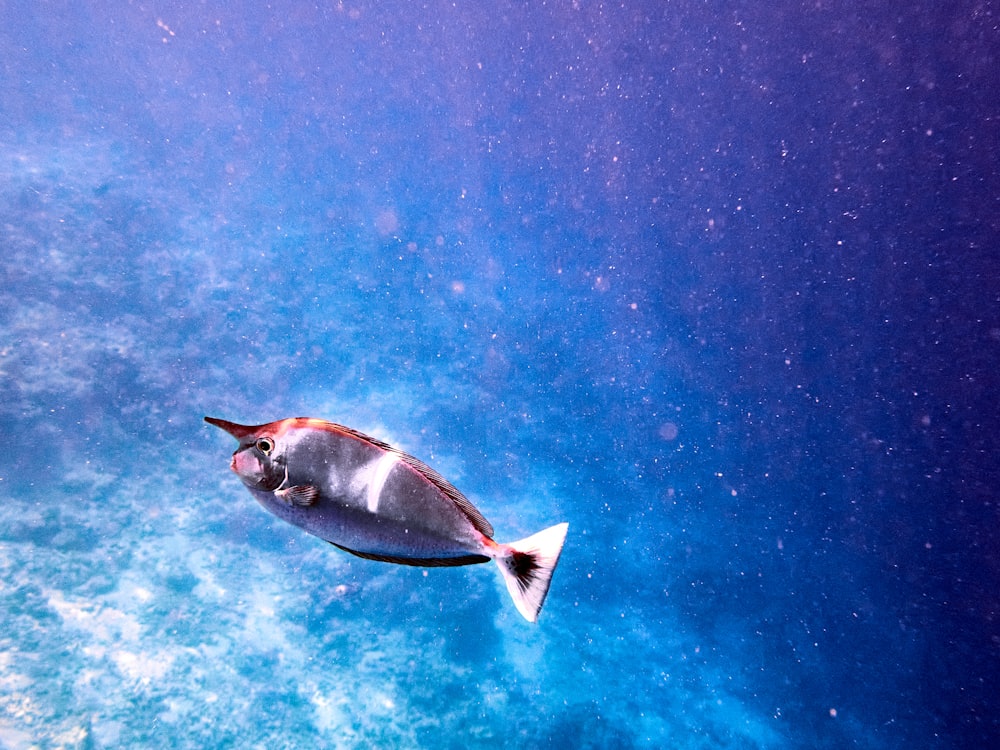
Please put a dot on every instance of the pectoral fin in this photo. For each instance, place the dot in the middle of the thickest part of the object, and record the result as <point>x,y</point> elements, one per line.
<point>302,495</point>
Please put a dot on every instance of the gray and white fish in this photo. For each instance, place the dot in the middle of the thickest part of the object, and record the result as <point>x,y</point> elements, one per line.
<point>376,502</point>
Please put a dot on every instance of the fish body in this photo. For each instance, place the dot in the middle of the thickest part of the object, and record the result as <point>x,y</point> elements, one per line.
<point>374,501</point>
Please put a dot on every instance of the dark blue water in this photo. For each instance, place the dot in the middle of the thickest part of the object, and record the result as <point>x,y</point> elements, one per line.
<point>716,283</point>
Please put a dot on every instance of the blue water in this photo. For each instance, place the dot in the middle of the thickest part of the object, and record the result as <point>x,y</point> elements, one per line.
<point>716,283</point>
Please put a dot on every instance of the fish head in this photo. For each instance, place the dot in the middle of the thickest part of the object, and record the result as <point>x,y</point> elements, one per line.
<point>259,459</point>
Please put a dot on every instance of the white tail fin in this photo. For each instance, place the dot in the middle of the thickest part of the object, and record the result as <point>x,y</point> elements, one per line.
<point>527,567</point>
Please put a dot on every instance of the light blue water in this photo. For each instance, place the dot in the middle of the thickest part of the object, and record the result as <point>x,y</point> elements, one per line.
<point>711,283</point>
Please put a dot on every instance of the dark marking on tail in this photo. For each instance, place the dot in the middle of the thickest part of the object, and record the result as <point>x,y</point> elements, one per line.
<point>525,567</point>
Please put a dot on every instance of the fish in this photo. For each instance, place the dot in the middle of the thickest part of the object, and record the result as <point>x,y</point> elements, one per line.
<point>374,501</point>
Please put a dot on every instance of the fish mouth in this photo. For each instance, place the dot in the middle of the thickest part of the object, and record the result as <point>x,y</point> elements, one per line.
<point>256,473</point>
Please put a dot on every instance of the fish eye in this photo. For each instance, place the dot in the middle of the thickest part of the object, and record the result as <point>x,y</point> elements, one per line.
<point>265,445</point>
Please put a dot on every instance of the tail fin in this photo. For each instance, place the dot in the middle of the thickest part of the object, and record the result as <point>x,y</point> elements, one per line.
<point>527,568</point>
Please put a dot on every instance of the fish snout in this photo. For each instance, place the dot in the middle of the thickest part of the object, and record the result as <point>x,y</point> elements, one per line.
<point>257,473</point>
<point>246,464</point>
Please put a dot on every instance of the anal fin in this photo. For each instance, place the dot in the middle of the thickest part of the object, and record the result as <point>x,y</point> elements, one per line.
<point>419,562</point>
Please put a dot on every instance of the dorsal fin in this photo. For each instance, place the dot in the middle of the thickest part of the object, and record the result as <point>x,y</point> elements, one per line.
<point>447,488</point>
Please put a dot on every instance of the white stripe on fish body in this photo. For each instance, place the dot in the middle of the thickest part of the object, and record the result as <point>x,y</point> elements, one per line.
<point>378,473</point>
